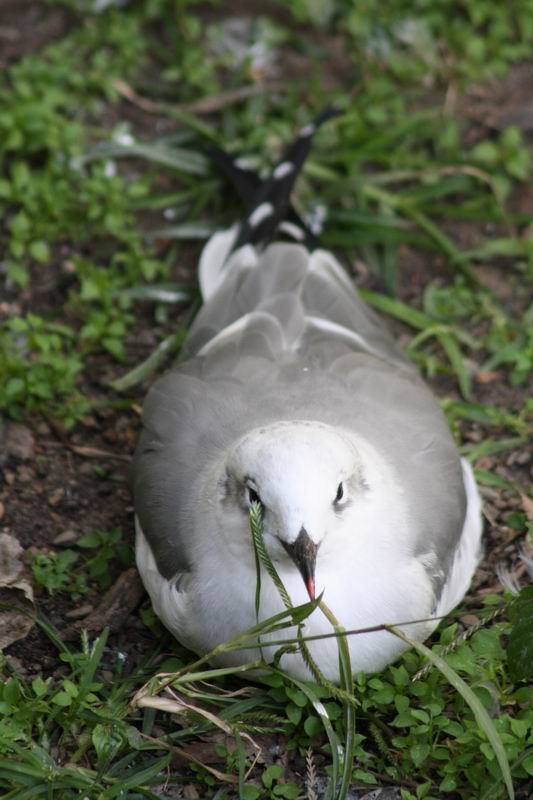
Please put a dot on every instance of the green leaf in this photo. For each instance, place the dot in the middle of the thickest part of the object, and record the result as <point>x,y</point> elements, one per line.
<point>63,699</point>
<point>294,713</point>
<point>312,727</point>
<point>486,152</point>
<point>528,764</point>
<point>107,741</point>
<point>39,686</point>
<point>249,791</point>
<point>520,647</point>
<point>40,252</point>
<point>271,774</point>
<point>89,540</point>
<point>296,696</point>
<point>287,790</point>
<point>419,753</point>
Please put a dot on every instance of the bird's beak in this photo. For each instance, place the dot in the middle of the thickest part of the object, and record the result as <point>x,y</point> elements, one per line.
<point>303,552</point>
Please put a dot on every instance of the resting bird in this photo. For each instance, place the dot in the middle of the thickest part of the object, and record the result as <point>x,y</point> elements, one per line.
<point>289,392</point>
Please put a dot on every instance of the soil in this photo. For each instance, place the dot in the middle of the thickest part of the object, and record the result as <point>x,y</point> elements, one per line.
<point>69,484</point>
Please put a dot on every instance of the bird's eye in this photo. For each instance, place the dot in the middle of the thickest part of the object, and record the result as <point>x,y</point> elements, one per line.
<point>340,493</point>
<point>253,497</point>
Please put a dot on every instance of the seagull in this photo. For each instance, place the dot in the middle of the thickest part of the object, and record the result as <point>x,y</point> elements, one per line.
<point>290,393</point>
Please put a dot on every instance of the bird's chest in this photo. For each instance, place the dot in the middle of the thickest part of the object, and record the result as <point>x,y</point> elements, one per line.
<point>359,597</point>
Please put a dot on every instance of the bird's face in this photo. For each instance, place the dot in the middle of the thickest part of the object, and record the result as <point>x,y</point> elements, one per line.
<point>306,477</point>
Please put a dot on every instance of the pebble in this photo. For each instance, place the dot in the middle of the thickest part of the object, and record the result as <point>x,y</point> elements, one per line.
<point>56,497</point>
<point>65,537</point>
<point>18,441</point>
<point>80,611</point>
<point>485,462</point>
<point>25,474</point>
<point>10,309</point>
<point>105,488</point>
<point>9,477</point>
<point>469,620</point>
<point>86,468</point>
<point>519,457</point>
<point>501,503</point>
<point>16,665</point>
<point>488,491</point>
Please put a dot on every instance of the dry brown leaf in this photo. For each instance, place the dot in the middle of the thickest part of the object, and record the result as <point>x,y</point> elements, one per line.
<point>11,567</point>
<point>96,452</point>
<point>487,377</point>
<point>527,505</point>
<point>17,612</point>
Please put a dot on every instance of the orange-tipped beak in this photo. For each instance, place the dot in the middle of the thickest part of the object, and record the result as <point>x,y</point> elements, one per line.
<point>303,552</point>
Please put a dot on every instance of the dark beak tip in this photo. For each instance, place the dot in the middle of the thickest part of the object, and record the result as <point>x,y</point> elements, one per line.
<point>303,552</point>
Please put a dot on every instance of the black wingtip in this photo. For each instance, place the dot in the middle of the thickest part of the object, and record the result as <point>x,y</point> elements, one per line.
<point>270,205</point>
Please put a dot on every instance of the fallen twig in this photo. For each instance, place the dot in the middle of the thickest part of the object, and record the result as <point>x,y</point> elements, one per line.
<point>114,609</point>
<point>208,105</point>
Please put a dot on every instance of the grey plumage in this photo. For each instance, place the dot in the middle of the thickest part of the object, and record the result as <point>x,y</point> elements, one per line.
<point>287,384</point>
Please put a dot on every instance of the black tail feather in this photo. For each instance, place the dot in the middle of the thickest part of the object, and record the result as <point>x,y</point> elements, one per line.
<point>245,181</point>
<point>268,202</point>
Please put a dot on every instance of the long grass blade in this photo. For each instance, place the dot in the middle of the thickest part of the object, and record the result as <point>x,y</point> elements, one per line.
<point>159,293</point>
<point>452,350</point>
<point>171,344</point>
<point>178,158</point>
<point>482,718</point>
<point>346,682</point>
<point>395,308</point>
<point>336,748</point>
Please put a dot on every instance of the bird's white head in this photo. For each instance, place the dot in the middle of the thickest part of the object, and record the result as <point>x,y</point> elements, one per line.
<point>308,478</point>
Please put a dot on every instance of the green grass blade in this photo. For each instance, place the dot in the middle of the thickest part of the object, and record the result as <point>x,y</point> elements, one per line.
<point>256,528</point>
<point>135,778</point>
<point>346,683</point>
<point>490,447</point>
<point>334,741</point>
<point>398,310</point>
<point>451,348</point>
<point>171,344</point>
<point>191,230</point>
<point>178,158</point>
<point>482,718</point>
<point>92,665</point>
<point>29,793</point>
<point>159,293</point>
<point>241,762</point>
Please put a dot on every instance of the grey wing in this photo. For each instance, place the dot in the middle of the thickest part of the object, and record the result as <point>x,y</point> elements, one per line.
<point>305,292</point>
